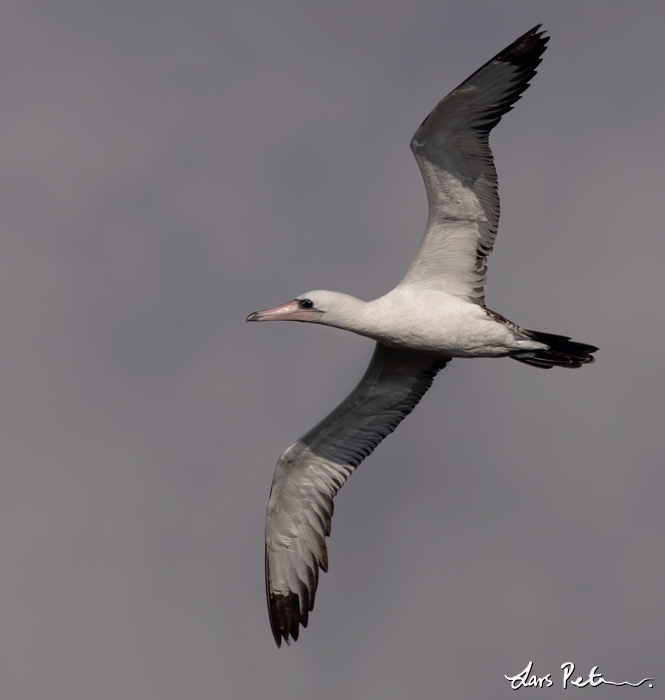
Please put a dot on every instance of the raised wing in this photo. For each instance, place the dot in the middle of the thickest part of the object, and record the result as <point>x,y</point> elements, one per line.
<point>310,473</point>
<point>452,150</point>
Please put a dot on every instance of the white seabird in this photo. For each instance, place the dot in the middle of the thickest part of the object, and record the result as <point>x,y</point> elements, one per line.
<point>435,313</point>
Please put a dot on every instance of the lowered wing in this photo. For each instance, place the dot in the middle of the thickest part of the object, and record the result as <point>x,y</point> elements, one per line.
<point>310,473</point>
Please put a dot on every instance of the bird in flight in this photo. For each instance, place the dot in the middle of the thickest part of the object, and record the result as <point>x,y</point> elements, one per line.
<point>437,312</point>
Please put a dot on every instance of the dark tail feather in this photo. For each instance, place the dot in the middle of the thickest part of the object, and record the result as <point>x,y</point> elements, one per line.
<point>561,352</point>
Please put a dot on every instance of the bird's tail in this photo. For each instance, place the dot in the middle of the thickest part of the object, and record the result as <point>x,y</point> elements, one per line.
<point>561,352</point>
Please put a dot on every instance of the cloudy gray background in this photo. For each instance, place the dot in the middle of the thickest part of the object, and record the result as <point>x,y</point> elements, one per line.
<point>169,167</point>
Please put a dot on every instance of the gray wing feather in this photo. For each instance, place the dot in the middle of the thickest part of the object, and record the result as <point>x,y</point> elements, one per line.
<point>453,153</point>
<point>310,473</point>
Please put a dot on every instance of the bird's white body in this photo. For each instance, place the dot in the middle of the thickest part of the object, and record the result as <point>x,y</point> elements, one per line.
<point>424,320</point>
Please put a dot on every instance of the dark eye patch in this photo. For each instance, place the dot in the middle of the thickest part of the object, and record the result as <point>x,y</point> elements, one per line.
<point>306,303</point>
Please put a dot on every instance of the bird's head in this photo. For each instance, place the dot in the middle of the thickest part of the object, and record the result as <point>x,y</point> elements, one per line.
<point>328,308</point>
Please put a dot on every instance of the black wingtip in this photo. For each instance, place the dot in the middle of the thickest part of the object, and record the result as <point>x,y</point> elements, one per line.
<point>285,618</point>
<point>526,50</point>
<point>525,55</point>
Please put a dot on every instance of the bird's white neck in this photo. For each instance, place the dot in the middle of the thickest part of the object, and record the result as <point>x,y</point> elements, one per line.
<point>349,313</point>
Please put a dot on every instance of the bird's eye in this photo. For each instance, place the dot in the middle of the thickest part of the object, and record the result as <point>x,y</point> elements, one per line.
<point>306,303</point>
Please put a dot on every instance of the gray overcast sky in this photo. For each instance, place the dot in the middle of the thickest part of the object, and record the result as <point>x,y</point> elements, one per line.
<point>169,167</point>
